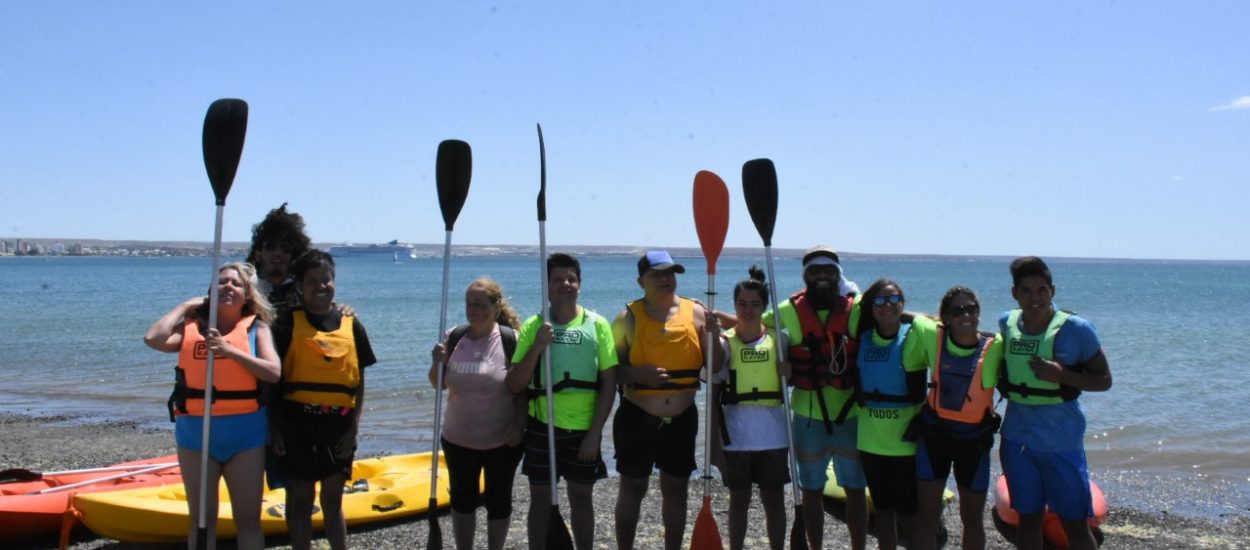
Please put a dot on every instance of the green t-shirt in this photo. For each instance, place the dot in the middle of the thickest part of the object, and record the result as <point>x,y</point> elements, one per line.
<point>881,429</point>
<point>583,345</point>
<point>805,402</point>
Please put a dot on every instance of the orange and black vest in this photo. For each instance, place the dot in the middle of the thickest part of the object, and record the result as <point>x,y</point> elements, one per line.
<point>235,390</point>
<point>825,355</point>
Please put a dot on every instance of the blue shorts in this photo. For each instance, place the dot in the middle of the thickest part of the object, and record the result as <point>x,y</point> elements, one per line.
<point>813,447</point>
<point>1038,479</point>
<point>230,435</point>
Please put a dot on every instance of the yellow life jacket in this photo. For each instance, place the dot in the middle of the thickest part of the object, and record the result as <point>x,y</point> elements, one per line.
<point>672,345</point>
<point>753,378</point>
<point>321,368</point>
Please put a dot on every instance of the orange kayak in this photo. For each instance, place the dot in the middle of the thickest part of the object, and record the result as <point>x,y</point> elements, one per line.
<point>35,504</point>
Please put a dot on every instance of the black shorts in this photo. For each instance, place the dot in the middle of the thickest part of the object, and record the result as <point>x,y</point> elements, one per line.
<point>892,481</point>
<point>770,469</point>
<point>538,467</point>
<point>310,435</point>
<point>970,458</point>
<point>466,469</point>
<point>644,441</point>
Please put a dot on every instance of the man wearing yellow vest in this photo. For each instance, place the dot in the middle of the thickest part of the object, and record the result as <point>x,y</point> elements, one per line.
<point>659,346</point>
<point>1051,357</point>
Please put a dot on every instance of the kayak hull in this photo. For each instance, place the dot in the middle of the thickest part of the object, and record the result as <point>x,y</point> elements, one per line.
<point>25,515</point>
<point>393,487</point>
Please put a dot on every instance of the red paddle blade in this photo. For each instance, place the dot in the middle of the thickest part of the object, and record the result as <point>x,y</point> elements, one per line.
<point>711,215</point>
<point>706,536</point>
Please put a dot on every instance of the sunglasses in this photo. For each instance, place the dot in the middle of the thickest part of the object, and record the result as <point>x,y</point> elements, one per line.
<point>271,246</point>
<point>959,311</point>
<point>883,300</point>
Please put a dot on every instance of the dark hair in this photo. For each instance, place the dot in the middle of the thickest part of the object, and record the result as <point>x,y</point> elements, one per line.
<point>308,261</point>
<point>560,259</point>
<point>280,225</point>
<point>955,292</point>
<point>753,282</point>
<point>1029,266</point>
<point>866,321</point>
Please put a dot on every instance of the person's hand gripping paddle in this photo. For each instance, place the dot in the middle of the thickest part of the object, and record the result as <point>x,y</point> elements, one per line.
<point>759,187</point>
<point>225,126</point>
<point>711,220</point>
<point>453,170</point>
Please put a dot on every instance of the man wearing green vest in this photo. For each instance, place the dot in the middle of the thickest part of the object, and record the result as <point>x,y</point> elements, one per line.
<point>821,320</point>
<point>583,365</point>
<point>1051,357</point>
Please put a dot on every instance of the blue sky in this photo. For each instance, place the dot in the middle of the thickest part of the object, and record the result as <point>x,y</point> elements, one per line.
<point>1055,128</point>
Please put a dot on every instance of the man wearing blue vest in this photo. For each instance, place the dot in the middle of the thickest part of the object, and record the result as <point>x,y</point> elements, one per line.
<point>1051,357</point>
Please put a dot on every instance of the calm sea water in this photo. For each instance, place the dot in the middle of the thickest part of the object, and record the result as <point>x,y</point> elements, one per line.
<point>1170,435</point>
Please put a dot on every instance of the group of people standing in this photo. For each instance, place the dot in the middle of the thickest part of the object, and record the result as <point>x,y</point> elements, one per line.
<point>894,400</point>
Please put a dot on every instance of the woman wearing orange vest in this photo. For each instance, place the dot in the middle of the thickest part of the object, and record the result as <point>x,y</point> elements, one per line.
<point>243,357</point>
<point>957,422</point>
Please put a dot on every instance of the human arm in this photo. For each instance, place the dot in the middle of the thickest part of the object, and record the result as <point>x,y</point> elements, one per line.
<point>1094,376</point>
<point>439,355</point>
<point>263,364</point>
<point>604,400</point>
<point>166,333</point>
<point>706,324</point>
<point>533,338</point>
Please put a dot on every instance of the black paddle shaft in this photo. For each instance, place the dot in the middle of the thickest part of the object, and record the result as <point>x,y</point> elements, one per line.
<point>225,126</point>
<point>759,187</point>
<point>453,170</point>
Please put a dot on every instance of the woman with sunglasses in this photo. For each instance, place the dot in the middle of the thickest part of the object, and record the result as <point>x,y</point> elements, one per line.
<point>891,389</point>
<point>957,422</point>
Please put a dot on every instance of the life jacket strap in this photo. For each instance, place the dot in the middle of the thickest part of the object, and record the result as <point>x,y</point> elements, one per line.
<point>321,387</point>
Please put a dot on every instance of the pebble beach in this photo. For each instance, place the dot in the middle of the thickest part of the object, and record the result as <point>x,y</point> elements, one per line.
<point>60,442</point>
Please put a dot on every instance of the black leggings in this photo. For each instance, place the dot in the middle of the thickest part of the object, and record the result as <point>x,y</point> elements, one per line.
<point>464,468</point>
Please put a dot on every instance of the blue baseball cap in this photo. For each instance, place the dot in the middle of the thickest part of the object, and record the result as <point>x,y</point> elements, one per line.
<point>658,260</point>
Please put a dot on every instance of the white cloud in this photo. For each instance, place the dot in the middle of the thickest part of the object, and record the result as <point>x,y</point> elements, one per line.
<point>1242,102</point>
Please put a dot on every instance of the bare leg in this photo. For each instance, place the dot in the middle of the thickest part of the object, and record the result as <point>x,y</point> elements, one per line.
<point>856,517</point>
<point>1029,535</point>
<point>674,492</point>
<point>628,505</point>
<point>463,526</point>
<point>497,532</point>
<point>929,513</point>
<point>814,518</point>
<point>581,508</point>
<point>887,529</point>
<point>299,505</point>
<point>540,508</point>
<point>972,515</point>
<point>189,464</point>
<point>335,523</point>
<point>1079,535</point>
<point>245,478</point>
<point>739,505</point>
<point>774,517</point>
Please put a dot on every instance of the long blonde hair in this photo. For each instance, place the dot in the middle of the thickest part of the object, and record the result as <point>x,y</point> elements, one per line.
<point>507,315</point>
<point>255,302</point>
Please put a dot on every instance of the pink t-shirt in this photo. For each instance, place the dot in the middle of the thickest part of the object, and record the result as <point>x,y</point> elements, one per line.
<point>481,412</point>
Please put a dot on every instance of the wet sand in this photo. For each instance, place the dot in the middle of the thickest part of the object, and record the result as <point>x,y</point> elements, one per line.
<point>53,443</point>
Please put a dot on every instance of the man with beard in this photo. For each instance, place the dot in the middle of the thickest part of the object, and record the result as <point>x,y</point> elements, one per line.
<point>276,242</point>
<point>820,320</point>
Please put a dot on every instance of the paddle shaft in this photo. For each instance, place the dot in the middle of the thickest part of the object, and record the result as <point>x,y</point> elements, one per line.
<point>785,395</point>
<point>206,437</point>
<point>143,470</point>
<point>707,405</point>
<point>438,386</point>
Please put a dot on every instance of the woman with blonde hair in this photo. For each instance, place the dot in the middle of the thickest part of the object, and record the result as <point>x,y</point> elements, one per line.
<point>483,425</point>
<point>244,357</point>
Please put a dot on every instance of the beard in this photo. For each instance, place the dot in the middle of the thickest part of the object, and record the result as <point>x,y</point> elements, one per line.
<point>821,294</point>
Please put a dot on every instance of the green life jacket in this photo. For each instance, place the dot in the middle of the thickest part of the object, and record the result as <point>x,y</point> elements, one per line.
<point>574,358</point>
<point>753,378</point>
<point>1019,383</point>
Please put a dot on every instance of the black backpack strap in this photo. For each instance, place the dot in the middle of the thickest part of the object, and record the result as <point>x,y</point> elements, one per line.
<point>508,336</point>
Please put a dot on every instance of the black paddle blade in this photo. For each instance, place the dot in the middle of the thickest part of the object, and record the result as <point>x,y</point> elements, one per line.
<point>225,125</point>
<point>798,532</point>
<point>759,187</point>
<point>19,474</point>
<point>542,189</point>
<point>557,533</point>
<point>452,173</point>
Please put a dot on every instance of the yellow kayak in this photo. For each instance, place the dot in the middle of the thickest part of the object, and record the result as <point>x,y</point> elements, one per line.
<point>380,489</point>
